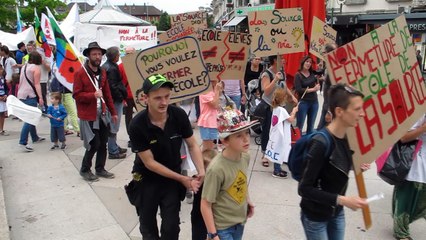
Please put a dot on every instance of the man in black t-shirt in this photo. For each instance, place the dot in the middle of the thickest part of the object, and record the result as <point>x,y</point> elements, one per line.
<point>156,135</point>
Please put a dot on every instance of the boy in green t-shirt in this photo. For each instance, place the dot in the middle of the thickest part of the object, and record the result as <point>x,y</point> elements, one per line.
<point>225,202</point>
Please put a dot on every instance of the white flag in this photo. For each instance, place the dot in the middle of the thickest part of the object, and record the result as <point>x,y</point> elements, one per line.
<point>23,111</point>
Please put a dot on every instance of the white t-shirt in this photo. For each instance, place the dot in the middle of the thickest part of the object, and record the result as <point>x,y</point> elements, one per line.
<point>9,62</point>
<point>418,168</point>
<point>279,144</point>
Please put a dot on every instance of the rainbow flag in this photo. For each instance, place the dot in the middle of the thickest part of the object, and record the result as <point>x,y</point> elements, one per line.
<point>19,23</point>
<point>41,42</point>
<point>67,61</point>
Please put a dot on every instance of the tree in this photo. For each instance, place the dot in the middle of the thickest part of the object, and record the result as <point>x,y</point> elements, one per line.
<point>164,22</point>
<point>26,8</point>
<point>40,6</point>
<point>8,14</point>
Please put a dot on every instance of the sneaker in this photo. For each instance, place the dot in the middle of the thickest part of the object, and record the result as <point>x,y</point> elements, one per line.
<point>40,139</point>
<point>281,174</point>
<point>4,133</point>
<point>122,150</point>
<point>55,146</point>
<point>105,174</point>
<point>189,197</point>
<point>117,156</point>
<point>27,148</point>
<point>63,146</point>
<point>89,176</point>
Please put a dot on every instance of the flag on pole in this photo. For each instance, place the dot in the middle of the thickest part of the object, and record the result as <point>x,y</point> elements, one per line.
<point>67,61</point>
<point>26,113</point>
<point>19,23</point>
<point>47,29</point>
<point>41,42</point>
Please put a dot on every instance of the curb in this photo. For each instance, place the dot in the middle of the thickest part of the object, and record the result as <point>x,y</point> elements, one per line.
<point>4,226</point>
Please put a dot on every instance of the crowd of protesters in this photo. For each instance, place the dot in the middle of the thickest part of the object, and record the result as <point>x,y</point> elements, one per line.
<point>101,95</point>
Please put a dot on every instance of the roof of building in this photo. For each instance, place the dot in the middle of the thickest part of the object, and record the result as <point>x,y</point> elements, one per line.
<point>106,13</point>
<point>140,10</point>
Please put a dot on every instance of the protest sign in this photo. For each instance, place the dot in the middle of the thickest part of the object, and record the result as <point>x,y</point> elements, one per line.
<point>383,66</point>
<point>321,35</point>
<point>180,30</point>
<point>180,61</point>
<point>225,53</point>
<point>194,18</point>
<point>140,37</point>
<point>276,32</point>
<point>184,24</point>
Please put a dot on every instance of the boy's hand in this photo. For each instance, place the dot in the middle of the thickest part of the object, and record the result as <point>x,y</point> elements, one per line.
<point>49,115</point>
<point>250,210</point>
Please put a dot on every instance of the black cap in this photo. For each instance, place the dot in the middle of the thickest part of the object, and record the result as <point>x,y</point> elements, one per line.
<point>93,45</point>
<point>155,82</point>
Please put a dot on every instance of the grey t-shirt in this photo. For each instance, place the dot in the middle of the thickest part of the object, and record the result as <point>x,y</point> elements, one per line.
<point>281,84</point>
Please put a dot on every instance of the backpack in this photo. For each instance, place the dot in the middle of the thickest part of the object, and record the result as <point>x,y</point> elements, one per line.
<point>298,153</point>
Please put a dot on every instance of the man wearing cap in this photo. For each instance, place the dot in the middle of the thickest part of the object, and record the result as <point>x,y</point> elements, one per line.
<point>95,109</point>
<point>156,135</point>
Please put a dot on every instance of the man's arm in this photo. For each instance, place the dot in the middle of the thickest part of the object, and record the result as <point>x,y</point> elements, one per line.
<point>154,166</point>
<point>197,158</point>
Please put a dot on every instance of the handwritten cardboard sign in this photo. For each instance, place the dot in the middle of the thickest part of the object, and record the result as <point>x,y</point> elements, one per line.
<point>179,61</point>
<point>225,53</point>
<point>279,31</point>
<point>195,18</point>
<point>184,24</point>
<point>383,66</point>
<point>321,35</point>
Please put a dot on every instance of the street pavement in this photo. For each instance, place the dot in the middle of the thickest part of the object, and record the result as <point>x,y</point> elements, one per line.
<point>45,197</point>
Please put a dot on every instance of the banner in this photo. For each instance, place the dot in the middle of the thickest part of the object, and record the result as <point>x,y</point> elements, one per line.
<point>225,53</point>
<point>382,65</point>
<point>11,40</point>
<point>179,61</point>
<point>277,32</point>
<point>140,37</point>
<point>321,34</point>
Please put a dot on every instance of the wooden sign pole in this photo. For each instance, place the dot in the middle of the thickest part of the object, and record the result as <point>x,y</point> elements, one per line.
<point>362,192</point>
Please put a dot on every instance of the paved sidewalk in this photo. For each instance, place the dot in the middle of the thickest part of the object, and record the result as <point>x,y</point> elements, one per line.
<point>46,198</point>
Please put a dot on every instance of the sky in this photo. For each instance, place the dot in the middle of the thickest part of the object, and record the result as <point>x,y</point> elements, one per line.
<point>170,6</point>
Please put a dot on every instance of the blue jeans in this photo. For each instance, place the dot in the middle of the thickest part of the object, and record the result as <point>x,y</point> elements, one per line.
<point>333,229</point>
<point>277,168</point>
<point>232,233</point>
<point>28,128</point>
<point>237,101</point>
<point>309,109</point>
<point>112,139</point>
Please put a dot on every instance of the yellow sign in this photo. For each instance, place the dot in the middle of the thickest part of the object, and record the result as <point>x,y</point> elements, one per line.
<point>238,189</point>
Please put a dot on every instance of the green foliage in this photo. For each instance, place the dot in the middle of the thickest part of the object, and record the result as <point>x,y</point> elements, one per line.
<point>40,6</point>
<point>164,23</point>
<point>8,12</point>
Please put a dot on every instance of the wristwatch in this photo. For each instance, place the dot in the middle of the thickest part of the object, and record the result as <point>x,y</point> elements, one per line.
<point>211,235</point>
